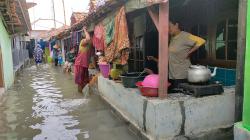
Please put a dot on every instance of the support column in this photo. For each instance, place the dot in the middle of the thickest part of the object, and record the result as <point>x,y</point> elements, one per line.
<point>63,50</point>
<point>241,49</point>
<point>163,48</point>
<point>246,107</point>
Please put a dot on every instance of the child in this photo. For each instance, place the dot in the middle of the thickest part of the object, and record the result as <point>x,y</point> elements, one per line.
<point>70,59</point>
<point>60,58</point>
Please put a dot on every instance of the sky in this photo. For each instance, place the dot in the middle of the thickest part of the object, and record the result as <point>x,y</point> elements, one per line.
<point>44,10</point>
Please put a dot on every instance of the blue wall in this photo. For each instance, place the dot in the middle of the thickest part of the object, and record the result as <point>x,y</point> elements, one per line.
<point>226,76</point>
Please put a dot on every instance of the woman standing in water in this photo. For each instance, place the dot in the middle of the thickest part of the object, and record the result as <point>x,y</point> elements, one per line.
<point>56,54</point>
<point>38,54</point>
<point>82,62</point>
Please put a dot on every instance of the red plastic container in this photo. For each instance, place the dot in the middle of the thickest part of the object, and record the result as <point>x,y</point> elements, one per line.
<point>147,91</point>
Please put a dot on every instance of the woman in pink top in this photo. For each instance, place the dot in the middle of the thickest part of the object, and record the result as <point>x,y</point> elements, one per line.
<point>82,62</point>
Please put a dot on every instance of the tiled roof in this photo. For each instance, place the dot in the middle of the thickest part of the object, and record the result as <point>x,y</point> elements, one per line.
<point>53,32</point>
<point>79,16</point>
<point>94,16</point>
<point>100,12</point>
<point>15,15</point>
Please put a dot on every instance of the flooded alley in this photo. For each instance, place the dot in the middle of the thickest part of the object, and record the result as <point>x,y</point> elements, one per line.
<point>44,104</point>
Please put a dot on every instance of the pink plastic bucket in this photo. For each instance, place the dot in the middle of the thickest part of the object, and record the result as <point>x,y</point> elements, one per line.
<point>105,69</point>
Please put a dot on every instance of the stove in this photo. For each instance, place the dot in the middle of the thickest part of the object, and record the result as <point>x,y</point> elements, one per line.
<point>201,90</point>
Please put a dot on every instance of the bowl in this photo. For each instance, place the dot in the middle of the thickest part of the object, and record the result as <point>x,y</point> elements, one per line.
<point>129,80</point>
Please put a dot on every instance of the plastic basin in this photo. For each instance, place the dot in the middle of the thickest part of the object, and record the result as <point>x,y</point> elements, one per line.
<point>148,91</point>
<point>129,80</point>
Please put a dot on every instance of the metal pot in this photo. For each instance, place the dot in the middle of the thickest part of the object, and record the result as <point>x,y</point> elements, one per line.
<point>200,74</point>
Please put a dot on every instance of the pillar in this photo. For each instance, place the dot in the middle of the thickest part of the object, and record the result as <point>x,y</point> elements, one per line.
<point>163,48</point>
<point>246,103</point>
<point>241,49</point>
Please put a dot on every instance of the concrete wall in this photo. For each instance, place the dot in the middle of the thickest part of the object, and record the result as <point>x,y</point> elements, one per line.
<point>240,133</point>
<point>171,118</point>
<point>5,42</point>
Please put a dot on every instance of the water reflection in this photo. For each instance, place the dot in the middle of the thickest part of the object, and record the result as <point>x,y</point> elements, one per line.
<point>44,104</point>
<point>48,105</point>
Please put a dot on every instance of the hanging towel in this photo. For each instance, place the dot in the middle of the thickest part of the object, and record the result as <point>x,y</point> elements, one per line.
<point>121,39</point>
<point>110,31</point>
<point>74,39</point>
<point>99,38</point>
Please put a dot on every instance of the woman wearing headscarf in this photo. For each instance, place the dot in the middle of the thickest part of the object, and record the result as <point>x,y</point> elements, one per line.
<point>38,54</point>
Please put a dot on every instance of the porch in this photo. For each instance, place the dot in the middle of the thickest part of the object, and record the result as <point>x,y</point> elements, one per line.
<point>179,115</point>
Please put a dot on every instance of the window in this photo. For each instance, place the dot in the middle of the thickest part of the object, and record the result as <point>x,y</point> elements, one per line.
<point>79,37</point>
<point>67,44</point>
<point>202,52</point>
<point>137,55</point>
<point>226,40</point>
<point>13,43</point>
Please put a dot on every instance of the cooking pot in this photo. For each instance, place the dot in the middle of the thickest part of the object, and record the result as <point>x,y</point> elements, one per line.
<point>200,74</point>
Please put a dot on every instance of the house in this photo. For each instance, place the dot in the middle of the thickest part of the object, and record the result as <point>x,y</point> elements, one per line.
<point>217,21</point>
<point>242,129</point>
<point>14,25</point>
<point>39,34</point>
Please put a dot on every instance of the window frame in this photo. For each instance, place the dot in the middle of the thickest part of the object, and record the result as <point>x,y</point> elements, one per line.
<point>207,44</point>
<point>226,41</point>
<point>136,59</point>
<point>212,29</point>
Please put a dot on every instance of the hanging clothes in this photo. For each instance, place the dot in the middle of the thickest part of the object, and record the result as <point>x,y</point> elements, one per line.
<point>110,52</point>
<point>121,39</point>
<point>110,31</point>
<point>74,39</point>
<point>52,43</point>
<point>99,38</point>
<point>47,51</point>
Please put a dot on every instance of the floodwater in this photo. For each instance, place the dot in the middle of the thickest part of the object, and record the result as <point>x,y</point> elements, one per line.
<point>44,105</point>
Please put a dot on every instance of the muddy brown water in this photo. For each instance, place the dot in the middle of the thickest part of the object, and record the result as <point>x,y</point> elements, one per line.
<point>44,104</point>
